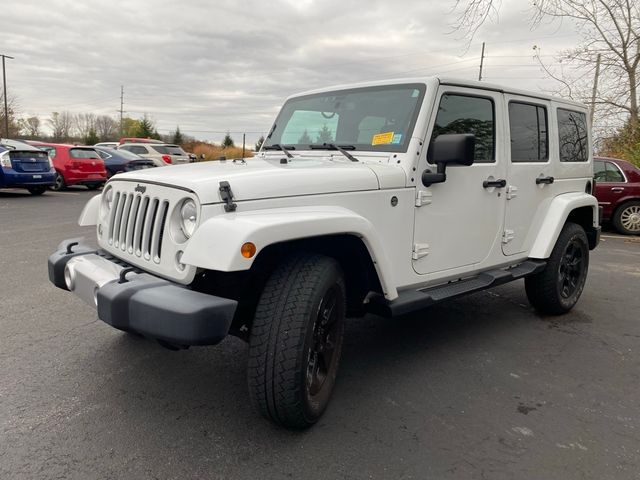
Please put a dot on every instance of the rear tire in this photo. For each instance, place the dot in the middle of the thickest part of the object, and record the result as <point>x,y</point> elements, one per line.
<point>558,287</point>
<point>60,183</point>
<point>35,191</point>
<point>296,340</point>
<point>626,218</point>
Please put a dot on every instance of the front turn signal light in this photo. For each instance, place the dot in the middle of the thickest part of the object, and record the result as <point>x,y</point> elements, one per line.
<point>248,250</point>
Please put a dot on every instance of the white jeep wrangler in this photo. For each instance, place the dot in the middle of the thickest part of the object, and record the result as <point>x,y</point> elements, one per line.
<point>382,197</point>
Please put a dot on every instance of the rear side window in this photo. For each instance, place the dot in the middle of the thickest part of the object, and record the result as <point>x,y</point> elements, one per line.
<point>607,172</point>
<point>136,149</point>
<point>529,135</point>
<point>467,114</point>
<point>168,149</point>
<point>83,153</point>
<point>572,132</point>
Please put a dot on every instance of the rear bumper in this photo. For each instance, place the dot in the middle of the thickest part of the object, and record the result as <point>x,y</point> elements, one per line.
<point>131,300</point>
<point>22,179</point>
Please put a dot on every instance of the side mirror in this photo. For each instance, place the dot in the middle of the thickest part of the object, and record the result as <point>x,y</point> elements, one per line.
<point>451,148</point>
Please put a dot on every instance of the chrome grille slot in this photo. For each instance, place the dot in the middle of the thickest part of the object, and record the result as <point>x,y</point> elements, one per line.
<point>124,221</point>
<point>133,217</point>
<point>156,234</point>
<point>112,217</point>
<point>118,218</point>
<point>148,228</point>
<point>137,234</point>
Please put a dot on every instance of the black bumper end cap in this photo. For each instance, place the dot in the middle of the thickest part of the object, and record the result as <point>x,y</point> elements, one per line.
<point>58,260</point>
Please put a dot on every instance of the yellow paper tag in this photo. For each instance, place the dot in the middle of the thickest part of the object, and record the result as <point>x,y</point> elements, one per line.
<point>382,138</point>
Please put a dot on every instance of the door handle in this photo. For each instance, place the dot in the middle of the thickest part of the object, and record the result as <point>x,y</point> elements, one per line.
<point>494,183</point>
<point>617,189</point>
<point>545,180</point>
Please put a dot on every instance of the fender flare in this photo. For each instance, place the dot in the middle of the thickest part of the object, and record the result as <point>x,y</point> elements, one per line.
<point>557,214</point>
<point>217,241</point>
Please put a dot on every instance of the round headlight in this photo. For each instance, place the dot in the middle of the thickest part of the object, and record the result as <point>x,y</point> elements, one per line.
<point>188,217</point>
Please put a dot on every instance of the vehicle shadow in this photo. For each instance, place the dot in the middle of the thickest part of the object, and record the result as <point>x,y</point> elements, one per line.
<point>204,390</point>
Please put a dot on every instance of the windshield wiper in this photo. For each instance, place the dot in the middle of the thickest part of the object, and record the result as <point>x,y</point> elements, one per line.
<point>332,146</point>
<point>277,146</point>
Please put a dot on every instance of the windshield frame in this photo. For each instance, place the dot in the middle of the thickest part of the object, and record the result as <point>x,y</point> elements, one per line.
<point>395,148</point>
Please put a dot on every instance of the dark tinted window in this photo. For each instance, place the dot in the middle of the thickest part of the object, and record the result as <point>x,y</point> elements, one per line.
<point>83,153</point>
<point>572,131</point>
<point>607,172</point>
<point>136,149</point>
<point>466,114</point>
<point>168,149</point>
<point>528,127</point>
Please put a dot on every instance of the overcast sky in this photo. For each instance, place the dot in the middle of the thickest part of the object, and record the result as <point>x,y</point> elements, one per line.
<point>227,65</point>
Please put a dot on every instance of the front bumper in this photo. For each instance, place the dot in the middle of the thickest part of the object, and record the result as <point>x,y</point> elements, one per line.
<point>131,300</point>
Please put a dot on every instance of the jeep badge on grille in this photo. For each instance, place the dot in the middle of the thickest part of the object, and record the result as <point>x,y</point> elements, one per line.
<point>140,188</point>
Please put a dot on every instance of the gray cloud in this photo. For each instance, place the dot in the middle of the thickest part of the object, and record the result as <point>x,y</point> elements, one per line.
<point>211,67</point>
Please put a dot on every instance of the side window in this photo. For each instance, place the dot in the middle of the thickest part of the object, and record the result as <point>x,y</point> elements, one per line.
<point>468,114</point>
<point>529,135</point>
<point>599,171</point>
<point>613,173</point>
<point>138,149</point>
<point>572,132</point>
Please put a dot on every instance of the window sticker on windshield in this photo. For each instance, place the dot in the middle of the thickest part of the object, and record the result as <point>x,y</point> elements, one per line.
<point>382,138</point>
<point>397,139</point>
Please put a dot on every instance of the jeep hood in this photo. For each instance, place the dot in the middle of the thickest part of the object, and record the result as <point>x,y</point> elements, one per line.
<point>258,178</point>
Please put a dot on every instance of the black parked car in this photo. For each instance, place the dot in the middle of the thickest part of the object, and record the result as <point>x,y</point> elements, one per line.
<point>118,161</point>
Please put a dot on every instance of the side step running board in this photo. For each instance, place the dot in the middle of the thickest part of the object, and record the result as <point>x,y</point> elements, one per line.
<point>411,300</point>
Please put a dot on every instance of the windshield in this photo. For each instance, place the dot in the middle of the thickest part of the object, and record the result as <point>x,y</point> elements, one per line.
<point>377,118</point>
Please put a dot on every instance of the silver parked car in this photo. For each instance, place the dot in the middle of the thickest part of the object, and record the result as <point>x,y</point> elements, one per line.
<point>161,153</point>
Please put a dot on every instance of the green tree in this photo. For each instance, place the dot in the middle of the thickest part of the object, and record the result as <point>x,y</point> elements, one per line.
<point>92,137</point>
<point>259,143</point>
<point>227,142</point>
<point>624,144</point>
<point>177,136</point>
<point>324,136</point>
<point>146,128</point>
<point>305,139</point>
<point>130,127</point>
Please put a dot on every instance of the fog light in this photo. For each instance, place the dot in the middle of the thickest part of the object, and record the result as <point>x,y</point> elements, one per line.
<point>69,277</point>
<point>248,250</point>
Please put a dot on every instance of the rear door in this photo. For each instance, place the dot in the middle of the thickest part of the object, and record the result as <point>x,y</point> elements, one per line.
<point>87,161</point>
<point>529,177</point>
<point>610,185</point>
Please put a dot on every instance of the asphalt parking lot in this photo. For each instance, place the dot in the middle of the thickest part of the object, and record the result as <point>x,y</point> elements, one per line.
<point>481,387</point>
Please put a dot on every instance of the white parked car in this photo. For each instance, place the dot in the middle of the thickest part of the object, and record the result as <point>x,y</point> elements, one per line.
<point>161,153</point>
<point>107,144</point>
<point>383,197</point>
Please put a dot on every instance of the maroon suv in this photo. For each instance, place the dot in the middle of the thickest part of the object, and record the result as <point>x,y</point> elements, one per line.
<point>618,192</point>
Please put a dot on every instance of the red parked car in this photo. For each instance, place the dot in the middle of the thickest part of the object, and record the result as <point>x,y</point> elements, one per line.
<point>618,192</point>
<point>75,165</point>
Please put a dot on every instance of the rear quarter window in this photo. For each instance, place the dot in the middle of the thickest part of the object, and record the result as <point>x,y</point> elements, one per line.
<point>83,153</point>
<point>573,136</point>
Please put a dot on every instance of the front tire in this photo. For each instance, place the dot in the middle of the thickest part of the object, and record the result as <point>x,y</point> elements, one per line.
<point>558,287</point>
<point>296,340</point>
<point>626,219</point>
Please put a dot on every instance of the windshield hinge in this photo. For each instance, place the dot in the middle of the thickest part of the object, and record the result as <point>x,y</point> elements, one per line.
<point>227,197</point>
<point>423,197</point>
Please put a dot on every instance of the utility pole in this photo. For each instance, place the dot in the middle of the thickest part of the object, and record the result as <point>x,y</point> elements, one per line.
<point>481,63</point>
<point>121,109</point>
<point>595,90</point>
<point>4,91</point>
<point>243,139</point>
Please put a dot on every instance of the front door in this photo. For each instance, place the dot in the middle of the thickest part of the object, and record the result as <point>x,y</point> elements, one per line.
<point>458,223</point>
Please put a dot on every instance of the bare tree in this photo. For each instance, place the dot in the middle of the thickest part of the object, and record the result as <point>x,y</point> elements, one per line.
<point>610,28</point>
<point>85,123</point>
<point>12,104</point>
<point>30,126</point>
<point>61,124</point>
<point>106,127</point>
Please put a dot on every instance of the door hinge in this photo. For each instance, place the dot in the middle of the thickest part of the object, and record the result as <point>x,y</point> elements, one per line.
<point>420,250</point>
<point>508,235</point>
<point>423,197</point>
<point>512,192</point>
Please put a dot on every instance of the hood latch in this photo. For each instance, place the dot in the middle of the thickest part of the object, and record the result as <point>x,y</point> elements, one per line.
<point>227,197</point>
